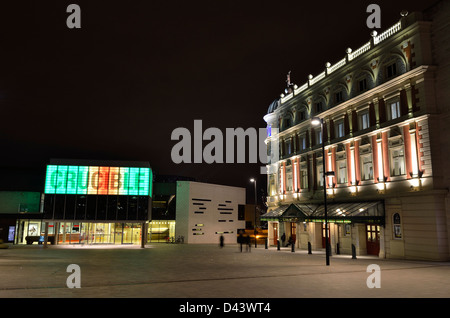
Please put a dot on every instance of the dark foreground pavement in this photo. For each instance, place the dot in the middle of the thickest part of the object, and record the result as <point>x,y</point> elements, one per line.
<point>207,271</point>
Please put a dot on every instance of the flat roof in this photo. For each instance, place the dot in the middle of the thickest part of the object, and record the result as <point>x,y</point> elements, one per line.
<point>94,162</point>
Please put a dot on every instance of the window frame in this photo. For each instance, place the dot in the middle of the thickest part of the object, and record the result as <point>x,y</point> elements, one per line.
<point>319,173</point>
<point>361,115</point>
<point>338,96</point>
<point>371,175</point>
<point>364,81</point>
<point>391,67</point>
<point>339,125</point>
<point>303,176</point>
<point>391,159</point>
<point>338,168</point>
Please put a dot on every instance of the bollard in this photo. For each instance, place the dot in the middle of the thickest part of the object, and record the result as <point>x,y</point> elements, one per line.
<point>266,245</point>
<point>309,248</point>
<point>278,245</point>
<point>353,252</point>
<point>292,247</point>
<point>337,249</point>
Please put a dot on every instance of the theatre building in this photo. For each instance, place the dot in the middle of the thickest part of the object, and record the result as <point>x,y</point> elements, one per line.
<point>88,201</point>
<point>384,123</point>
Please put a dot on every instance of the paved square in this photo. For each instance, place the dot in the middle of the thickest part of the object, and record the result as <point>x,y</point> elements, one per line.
<point>208,271</point>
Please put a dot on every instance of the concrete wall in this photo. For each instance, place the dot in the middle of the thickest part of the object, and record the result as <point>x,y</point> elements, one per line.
<point>205,211</point>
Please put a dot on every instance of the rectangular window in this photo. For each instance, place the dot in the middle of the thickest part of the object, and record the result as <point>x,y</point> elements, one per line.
<point>303,177</point>
<point>272,187</point>
<point>364,120</point>
<point>319,107</point>
<point>241,212</point>
<point>394,110</point>
<point>338,97</point>
<point>366,167</point>
<point>280,180</point>
<point>362,85</point>
<point>302,115</point>
<point>391,70</point>
<point>318,137</point>
<point>302,142</point>
<point>397,162</point>
<point>289,178</point>
<point>340,132</point>
<point>342,171</point>
<point>320,174</point>
<point>288,146</point>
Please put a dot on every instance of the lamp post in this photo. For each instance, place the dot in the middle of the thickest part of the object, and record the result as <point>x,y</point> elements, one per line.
<point>315,121</point>
<point>256,202</point>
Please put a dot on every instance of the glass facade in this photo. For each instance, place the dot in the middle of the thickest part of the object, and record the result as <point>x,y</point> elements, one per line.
<point>158,231</point>
<point>96,207</point>
<point>161,231</point>
<point>78,232</point>
<point>27,227</point>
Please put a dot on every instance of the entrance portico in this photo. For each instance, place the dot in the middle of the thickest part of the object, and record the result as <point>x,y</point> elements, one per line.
<point>356,223</point>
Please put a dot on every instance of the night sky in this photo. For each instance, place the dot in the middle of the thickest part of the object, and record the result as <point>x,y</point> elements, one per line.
<point>136,70</point>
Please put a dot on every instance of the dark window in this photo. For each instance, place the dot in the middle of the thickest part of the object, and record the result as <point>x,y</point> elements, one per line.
<point>91,207</point>
<point>70,207</point>
<point>59,206</point>
<point>319,107</point>
<point>362,85</point>
<point>112,207</point>
<point>122,207</point>
<point>338,97</point>
<point>102,202</point>
<point>49,201</point>
<point>241,212</point>
<point>143,208</point>
<point>302,115</point>
<point>80,212</point>
<point>132,208</point>
<point>391,70</point>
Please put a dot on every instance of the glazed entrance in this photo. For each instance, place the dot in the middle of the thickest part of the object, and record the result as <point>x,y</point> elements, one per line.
<point>98,233</point>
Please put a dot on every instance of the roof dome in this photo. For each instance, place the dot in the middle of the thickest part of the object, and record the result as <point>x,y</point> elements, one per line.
<point>273,106</point>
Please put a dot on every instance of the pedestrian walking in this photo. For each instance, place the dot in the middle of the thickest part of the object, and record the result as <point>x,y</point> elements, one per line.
<point>221,241</point>
<point>247,242</point>
<point>240,240</point>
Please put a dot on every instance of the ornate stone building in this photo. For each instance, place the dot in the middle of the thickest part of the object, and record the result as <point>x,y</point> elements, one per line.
<point>385,108</point>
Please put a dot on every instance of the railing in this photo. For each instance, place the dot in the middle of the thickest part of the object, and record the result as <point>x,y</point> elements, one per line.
<point>300,89</point>
<point>314,80</point>
<point>383,36</point>
<point>359,51</point>
<point>334,67</point>
<point>350,56</point>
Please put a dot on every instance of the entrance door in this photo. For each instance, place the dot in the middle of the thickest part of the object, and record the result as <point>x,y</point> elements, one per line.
<point>373,239</point>
<point>275,233</point>
<point>323,234</point>
<point>294,231</point>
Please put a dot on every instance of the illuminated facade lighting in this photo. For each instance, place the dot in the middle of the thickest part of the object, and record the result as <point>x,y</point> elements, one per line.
<point>93,180</point>
<point>377,121</point>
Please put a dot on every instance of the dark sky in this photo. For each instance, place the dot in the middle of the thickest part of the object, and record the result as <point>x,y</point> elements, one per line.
<point>136,70</point>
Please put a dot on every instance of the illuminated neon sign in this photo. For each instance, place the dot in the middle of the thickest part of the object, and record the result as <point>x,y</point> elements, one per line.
<point>61,179</point>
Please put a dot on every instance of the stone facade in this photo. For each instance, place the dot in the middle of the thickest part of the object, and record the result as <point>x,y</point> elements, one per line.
<point>385,113</point>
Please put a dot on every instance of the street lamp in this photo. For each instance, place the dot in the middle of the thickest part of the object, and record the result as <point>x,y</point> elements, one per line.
<point>315,121</point>
<point>256,202</point>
